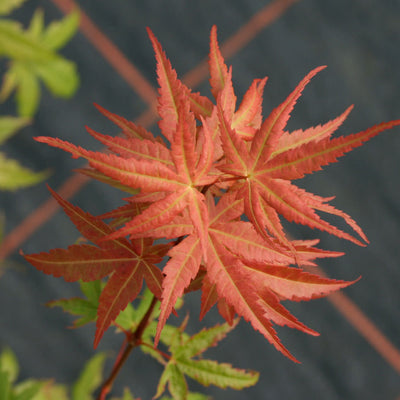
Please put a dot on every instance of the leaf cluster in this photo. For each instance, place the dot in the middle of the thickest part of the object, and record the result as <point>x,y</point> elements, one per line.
<point>207,198</point>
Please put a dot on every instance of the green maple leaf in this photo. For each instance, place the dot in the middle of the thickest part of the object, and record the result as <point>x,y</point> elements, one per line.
<point>33,58</point>
<point>186,359</point>
<point>84,308</point>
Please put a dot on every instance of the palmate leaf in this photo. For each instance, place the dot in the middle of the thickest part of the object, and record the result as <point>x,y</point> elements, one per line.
<point>215,185</point>
<point>127,262</point>
<point>186,359</point>
<point>233,249</point>
<point>179,181</point>
<point>85,309</point>
<point>33,57</point>
<point>263,169</point>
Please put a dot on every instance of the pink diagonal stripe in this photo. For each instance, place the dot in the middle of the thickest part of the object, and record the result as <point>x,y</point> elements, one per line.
<point>243,36</point>
<point>133,77</point>
<point>363,325</point>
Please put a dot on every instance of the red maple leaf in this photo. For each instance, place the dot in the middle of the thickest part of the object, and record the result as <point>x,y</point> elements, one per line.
<point>126,262</point>
<point>249,274</point>
<point>265,161</point>
<point>216,191</point>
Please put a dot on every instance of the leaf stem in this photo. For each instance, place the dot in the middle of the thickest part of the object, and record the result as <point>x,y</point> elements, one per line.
<point>132,340</point>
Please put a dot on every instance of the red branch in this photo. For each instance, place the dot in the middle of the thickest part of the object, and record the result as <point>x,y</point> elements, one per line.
<point>129,344</point>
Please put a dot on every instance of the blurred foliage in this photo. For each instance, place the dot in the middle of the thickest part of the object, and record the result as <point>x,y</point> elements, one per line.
<point>46,389</point>
<point>12,175</point>
<point>32,57</point>
<point>6,6</point>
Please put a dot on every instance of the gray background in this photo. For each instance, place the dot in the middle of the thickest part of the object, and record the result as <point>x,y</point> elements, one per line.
<point>359,40</point>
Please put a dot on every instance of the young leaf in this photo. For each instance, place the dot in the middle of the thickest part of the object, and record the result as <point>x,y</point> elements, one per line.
<point>207,372</point>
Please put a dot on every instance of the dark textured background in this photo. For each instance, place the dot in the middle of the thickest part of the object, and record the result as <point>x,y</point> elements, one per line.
<point>359,40</point>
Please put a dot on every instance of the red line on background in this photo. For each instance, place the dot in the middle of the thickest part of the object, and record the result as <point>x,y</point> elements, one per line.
<point>111,53</point>
<point>363,325</point>
<point>41,214</point>
<point>367,329</point>
<point>242,37</point>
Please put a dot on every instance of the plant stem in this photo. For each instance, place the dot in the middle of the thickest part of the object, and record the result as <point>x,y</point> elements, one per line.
<point>133,340</point>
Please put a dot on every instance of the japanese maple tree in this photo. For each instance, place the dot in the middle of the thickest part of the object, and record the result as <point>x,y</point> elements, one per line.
<point>214,187</point>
